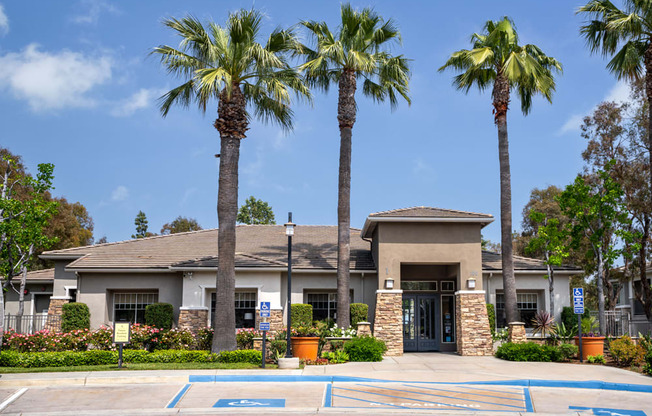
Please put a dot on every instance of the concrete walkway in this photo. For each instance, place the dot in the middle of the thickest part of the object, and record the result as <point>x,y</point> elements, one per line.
<point>402,385</point>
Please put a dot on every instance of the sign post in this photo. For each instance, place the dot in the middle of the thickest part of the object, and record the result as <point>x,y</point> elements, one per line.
<point>121,336</point>
<point>264,326</point>
<point>578,307</point>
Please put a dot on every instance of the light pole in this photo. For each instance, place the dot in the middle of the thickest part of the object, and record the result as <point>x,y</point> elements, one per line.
<point>289,231</point>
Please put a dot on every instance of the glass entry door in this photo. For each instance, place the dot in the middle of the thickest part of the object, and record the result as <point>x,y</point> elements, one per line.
<point>421,322</point>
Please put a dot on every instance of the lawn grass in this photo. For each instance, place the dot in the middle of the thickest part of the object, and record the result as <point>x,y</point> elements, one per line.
<point>134,366</point>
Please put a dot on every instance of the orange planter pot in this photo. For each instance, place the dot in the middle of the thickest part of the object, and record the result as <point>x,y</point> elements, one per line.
<point>305,347</point>
<point>591,346</point>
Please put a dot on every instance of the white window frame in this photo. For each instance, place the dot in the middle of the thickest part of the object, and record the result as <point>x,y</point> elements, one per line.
<point>115,294</point>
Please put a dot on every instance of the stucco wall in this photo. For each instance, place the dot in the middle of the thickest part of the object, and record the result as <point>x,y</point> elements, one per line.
<point>63,278</point>
<point>429,243</point>
<point>96,289</point>
<point>11,297</point>
<point>532,282</point>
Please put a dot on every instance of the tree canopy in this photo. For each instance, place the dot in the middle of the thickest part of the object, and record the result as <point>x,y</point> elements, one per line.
<point>180,225</point>
<point>256,211</point>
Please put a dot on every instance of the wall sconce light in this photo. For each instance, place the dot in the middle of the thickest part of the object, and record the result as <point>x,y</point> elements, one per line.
<point>248,316</point>
<point>470,284</point>
<point>389,283</point>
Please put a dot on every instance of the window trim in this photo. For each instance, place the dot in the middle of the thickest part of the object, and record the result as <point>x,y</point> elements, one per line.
<point>142,292</point>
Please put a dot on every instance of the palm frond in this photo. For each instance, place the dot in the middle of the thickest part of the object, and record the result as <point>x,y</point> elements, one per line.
<point>182,95</point>
<point>627,63</point>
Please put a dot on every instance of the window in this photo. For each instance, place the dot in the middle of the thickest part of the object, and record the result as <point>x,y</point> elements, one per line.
<point>245,308</point>
<point>621,300</point>
<point>418,285</point>
<point>41,303</point>
<point>324,305</point>
<point>448,286</point>
<point>131,306</point>
<point>527,304</point>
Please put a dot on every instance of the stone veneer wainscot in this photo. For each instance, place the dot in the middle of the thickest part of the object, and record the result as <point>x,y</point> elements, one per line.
<point>193,319</point>
<point>388,321</point>
<point>472,323</point>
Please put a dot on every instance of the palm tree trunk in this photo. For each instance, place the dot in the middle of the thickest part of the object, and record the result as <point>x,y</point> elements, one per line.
<point>346,117</point>
<point>501,104</point>
<point>232,124</point>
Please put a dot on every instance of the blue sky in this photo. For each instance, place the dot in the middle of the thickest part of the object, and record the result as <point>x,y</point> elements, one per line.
<point>78,89</point>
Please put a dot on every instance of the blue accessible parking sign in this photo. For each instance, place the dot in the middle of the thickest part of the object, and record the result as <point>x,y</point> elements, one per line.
<point>263,326</point>
<point>264,310</point>
<point>578,300</point>
<point>250,403</point>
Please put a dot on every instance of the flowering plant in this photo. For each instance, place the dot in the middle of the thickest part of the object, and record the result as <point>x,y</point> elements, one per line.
<point>244,337</point>
<point>306,331</point>
<point>338,332</point>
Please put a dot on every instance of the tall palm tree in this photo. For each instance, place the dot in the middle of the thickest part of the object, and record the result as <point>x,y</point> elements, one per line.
<point>355,52</point>
<point>497,60</point>
<point>226,63</point>
<point>627,35</point>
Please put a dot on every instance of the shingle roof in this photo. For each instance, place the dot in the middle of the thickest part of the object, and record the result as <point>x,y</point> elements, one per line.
<point>429,212</point>
<point>492,262</point>
<point>45,274</point>
<point>314,247</point>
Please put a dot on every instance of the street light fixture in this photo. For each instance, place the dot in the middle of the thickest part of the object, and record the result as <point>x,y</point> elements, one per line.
<point>289,231</point>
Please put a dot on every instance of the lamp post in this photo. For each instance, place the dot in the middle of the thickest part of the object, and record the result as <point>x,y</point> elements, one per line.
<point>289,231</point>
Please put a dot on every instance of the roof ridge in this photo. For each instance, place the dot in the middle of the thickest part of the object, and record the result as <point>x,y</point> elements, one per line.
<point>432,208</point>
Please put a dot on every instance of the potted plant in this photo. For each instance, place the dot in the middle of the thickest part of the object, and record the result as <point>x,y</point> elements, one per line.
<point>592,341</point>
<point>305,342</point>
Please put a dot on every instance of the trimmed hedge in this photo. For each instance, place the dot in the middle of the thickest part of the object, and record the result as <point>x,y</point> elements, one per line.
<point>159,315</point>
<point>365,349</point>
<point>301,315</point>
<point>99,357</point>
<point>528,351</point>
<point>359,312</point>
<point>74,316</point>
<point>491,313</point>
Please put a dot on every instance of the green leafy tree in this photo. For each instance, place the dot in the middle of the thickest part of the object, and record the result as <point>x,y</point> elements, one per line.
<point>596,211</point>
<point>551,239</point>
<point>180,225</point>
<point>357,50</point>
<point>256,211</point>
<point>497,60</point>
<point>141,226</point>
<point>247,78</point>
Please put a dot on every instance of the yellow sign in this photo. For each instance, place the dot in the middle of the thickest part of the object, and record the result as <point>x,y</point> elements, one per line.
<point>121,332</point>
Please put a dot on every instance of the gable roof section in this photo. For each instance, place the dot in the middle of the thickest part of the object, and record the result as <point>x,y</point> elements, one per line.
<point>423,214</point>
<point>314,247</point>
<point>492,262</point>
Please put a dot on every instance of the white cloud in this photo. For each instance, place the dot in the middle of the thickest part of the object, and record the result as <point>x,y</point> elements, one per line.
<point>190,192</point>
<point>572,124</point>
<point>423,170</point>
<point>141,99</point>
<point>53,80</point>
<point>120,193</point>
<point>4,21</point>
<point>619,92</point>
<point>92,10</point>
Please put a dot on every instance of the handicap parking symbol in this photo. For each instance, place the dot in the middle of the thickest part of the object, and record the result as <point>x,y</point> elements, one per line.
<point>250,403</point>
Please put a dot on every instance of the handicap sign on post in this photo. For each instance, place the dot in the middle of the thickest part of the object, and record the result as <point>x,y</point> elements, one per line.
<point>264,310</point>
<point>250,403</point>
<point>578,300</point>
<point>263,326</point>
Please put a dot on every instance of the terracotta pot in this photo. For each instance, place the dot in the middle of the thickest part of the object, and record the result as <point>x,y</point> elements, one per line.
<point>591,346</point>
<point>305,347</point>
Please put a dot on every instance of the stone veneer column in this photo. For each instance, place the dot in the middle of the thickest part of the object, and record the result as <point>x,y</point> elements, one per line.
<point>364,328</point>
<point>388,322</point>
<point>516,332</point>
<point>275,320</point>
<point>472,323</point>
<point>193,319</point>
<point>55,310</point>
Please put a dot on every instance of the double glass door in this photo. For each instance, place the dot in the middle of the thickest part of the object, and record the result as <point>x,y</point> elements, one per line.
<point>421,321</point>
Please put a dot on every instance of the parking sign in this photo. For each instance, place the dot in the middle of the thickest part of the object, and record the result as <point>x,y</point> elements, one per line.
<point>263,326</point>
<point>578,300</point>
<point>264,310</point>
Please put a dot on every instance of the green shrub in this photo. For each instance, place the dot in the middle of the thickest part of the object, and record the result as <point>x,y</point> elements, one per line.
<point>159,315</point>
<point>568,351</point>
<point>647,368</point>
<point>596,359</point>
<point>240,356</point>
<point>491,314</point>
<point>244,337</point>
<point>569,318</point>
<point>625,351</point>
<point>365,349</point>
<point>75,315</point>
<point>359,313</point>
<point>204,339</point>
<point>528,351</point>
<point>301,314</point>
<point>277,348</point>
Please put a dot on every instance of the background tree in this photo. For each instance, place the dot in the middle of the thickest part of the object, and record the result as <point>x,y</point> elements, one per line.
<point>228,64</point>
<point>358,50</point>
<point>256,211</point>
<point>498,61</point>
<point>102,240</point>
<point>141,226</point>
<point>180,225</point>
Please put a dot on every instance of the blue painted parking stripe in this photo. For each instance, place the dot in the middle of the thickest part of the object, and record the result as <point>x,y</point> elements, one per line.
<point>518,393</point>
<point>448,397</point>
<point>403,398</point>
<point>178,397</point>
<point>369,401</point>
<point>528,400</point>
<point>466,392</point>
<point>328,397</point>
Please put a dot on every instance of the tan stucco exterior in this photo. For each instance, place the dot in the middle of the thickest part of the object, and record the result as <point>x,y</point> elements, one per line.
<point>429,243</point>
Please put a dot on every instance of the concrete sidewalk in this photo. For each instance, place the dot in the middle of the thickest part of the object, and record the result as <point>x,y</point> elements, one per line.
<point>432,367</point>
